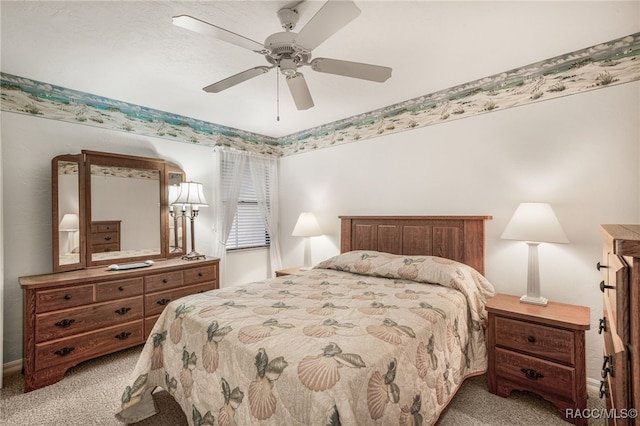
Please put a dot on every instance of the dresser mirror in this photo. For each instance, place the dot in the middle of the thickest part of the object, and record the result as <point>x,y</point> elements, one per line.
<point>177,227</point>
<point>111,208</point>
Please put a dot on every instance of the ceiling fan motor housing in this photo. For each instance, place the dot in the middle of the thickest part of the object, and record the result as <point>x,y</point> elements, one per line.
<point>288,18</point>
<point>281,52</point>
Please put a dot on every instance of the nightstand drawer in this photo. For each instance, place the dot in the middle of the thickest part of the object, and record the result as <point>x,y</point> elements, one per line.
<point>536,374</point>
<point>534,339</point>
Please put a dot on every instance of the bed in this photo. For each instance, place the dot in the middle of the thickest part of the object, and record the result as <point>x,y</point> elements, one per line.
<point>383,333</point>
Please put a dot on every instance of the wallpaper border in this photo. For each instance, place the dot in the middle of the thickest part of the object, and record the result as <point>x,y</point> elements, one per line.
<point>603,65</point>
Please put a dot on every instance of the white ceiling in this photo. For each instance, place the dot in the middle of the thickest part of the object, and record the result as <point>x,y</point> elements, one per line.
<point>130,51</point>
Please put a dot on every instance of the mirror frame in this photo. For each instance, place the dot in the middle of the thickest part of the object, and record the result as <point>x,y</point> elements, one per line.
<point>170,168</point>
<point>82,259</point>
<point>85,160</point>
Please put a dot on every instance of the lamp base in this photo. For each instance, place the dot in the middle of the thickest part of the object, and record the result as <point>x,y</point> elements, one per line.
<point>541,301</point>
<point>193,255</point>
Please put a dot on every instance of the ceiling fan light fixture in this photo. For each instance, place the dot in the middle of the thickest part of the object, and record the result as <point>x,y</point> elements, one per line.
<point>288,66</point>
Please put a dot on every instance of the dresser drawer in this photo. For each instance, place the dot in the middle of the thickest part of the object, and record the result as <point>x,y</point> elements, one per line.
<point>55,325</point>
<point>200,275</point>
<point>105,238</point>
<point>536,374</point>
<point>118,289</point>
<point>62,298</point>
<point>538,340</point>
<point>105,248</point>
<point>105,227</point>
<point>88,345</point>
<point>154,303</point>
<point>162,281</point>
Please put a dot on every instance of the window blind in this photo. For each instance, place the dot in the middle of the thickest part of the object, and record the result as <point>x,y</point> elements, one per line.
<point>248,229</point>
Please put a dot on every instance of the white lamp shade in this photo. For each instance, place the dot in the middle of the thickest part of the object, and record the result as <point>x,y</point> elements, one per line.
<point>534,222</point>
<point>306,226</point>
<point>173,193</point>
<point>69,223</point>
<point>190,193</point>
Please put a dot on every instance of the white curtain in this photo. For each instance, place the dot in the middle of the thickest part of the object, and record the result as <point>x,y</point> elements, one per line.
<point>264,172</point>
<point>226,201</point>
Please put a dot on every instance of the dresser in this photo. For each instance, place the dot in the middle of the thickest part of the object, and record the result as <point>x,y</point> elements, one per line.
<point>620,323</point>
<point>105,236</point>
<point>74,316</point>
<point>540,349</point>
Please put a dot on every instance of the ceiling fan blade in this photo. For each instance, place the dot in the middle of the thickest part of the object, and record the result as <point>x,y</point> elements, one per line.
<point>300,91</point>
<point>235,79</point>
<point>202,27</point>
<point>331,17</point>
<point>352,69</point>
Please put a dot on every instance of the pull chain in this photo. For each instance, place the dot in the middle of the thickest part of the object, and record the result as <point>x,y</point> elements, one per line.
<point>277,95</point>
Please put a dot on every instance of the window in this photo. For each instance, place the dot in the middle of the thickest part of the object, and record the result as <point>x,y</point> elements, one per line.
<point>248,229</point>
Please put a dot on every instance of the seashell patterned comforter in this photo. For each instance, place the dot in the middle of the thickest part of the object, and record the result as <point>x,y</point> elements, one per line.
<point>364,338</point>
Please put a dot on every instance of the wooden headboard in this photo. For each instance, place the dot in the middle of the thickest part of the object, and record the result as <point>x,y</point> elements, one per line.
<point>460,238</point>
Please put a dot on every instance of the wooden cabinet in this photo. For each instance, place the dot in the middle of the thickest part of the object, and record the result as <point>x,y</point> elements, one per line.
<point>75,316</point>
<point>539,349</point>
<point>105,236</point>
<point>620,324</point>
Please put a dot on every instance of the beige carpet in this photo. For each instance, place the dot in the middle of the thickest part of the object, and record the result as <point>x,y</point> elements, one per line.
<point>90,394</point>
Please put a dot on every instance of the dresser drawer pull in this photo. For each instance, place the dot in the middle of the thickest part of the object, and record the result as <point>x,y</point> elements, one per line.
<point>200,274</point>
<point>65,351</point>
<point>603,325</point>
<point>123,335</point>
<point>603,286</point>
<point>608,359</point>
<point>164,280</point>
<point>65,323</point>
<point>163,302</point>
<point>120,288</point>
<point>604,389</point>
<point>107,238</point>
<point>531,339</point>
<point>67,297</point>
<point>531,374</point>
<point>600,266</point>
<point>122,311</point>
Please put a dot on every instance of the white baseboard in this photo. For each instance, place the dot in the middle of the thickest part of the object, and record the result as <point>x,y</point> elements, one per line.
<point>593,384</point>
<point>12,367</point>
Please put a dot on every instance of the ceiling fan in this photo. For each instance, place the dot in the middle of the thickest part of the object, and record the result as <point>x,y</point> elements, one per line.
<point>289,51</point>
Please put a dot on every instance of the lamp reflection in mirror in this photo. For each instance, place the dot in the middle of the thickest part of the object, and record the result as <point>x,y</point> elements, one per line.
<point>190,195</point>
<point>173,196</point>
<point>306,226</point>
<point>69,224</point>
<point>534,223</point>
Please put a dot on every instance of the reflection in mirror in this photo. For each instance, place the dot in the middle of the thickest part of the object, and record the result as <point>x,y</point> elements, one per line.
<point>68,213</point>
<point>176,224</point>
<point>125,212</point>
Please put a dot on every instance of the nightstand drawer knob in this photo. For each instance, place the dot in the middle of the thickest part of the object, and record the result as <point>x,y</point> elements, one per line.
<point>65,323</point>
<point>65,351</point>
<point>603,325</point>
<point>531,374</point>
<point>531,339</point>
<point>600,266</point>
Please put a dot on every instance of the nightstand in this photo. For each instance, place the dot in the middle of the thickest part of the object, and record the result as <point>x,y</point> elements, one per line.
<point>288,271</point>
<point>540,349</point>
